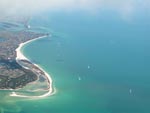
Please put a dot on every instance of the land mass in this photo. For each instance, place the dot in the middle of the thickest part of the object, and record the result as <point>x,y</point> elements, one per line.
<point>17,73</point>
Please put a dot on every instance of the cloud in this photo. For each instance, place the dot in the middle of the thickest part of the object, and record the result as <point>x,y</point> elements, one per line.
<point>33,6</point>
<point>28,7</point>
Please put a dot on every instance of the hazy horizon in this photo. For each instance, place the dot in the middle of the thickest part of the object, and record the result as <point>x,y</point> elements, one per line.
<point>126,9</point>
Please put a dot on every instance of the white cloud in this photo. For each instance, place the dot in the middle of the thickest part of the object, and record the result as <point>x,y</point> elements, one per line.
<point>124,7</point>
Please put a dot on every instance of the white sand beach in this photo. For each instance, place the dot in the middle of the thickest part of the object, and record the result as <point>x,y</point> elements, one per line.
<point>20,56</point>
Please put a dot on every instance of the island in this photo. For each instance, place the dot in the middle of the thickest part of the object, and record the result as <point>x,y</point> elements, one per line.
<point>17,73</point>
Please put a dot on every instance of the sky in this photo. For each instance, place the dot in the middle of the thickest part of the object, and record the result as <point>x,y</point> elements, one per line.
<point>25,7</point>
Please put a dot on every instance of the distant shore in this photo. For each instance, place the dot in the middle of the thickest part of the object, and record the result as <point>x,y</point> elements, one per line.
<point>20,56</point>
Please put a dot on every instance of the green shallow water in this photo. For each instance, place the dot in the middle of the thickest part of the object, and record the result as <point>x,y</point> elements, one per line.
<point>99,63</point>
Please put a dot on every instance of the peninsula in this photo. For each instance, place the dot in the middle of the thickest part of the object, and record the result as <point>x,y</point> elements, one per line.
<point>17,73</point>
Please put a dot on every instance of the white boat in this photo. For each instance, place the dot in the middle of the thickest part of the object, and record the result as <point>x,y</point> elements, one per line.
<point>28,26</point>
<point>79,78</point>
<point>130,91</point>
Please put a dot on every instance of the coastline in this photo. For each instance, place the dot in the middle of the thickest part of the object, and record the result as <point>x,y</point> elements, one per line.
<point>20,56</point>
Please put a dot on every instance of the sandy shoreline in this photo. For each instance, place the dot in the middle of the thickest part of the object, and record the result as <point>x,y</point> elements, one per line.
<point>20,56</point>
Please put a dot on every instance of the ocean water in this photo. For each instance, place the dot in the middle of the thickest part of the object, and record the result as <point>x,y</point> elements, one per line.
<point>99,62</point>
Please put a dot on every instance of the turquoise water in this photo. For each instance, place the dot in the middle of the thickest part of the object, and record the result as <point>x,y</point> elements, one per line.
<point>99,63</point>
